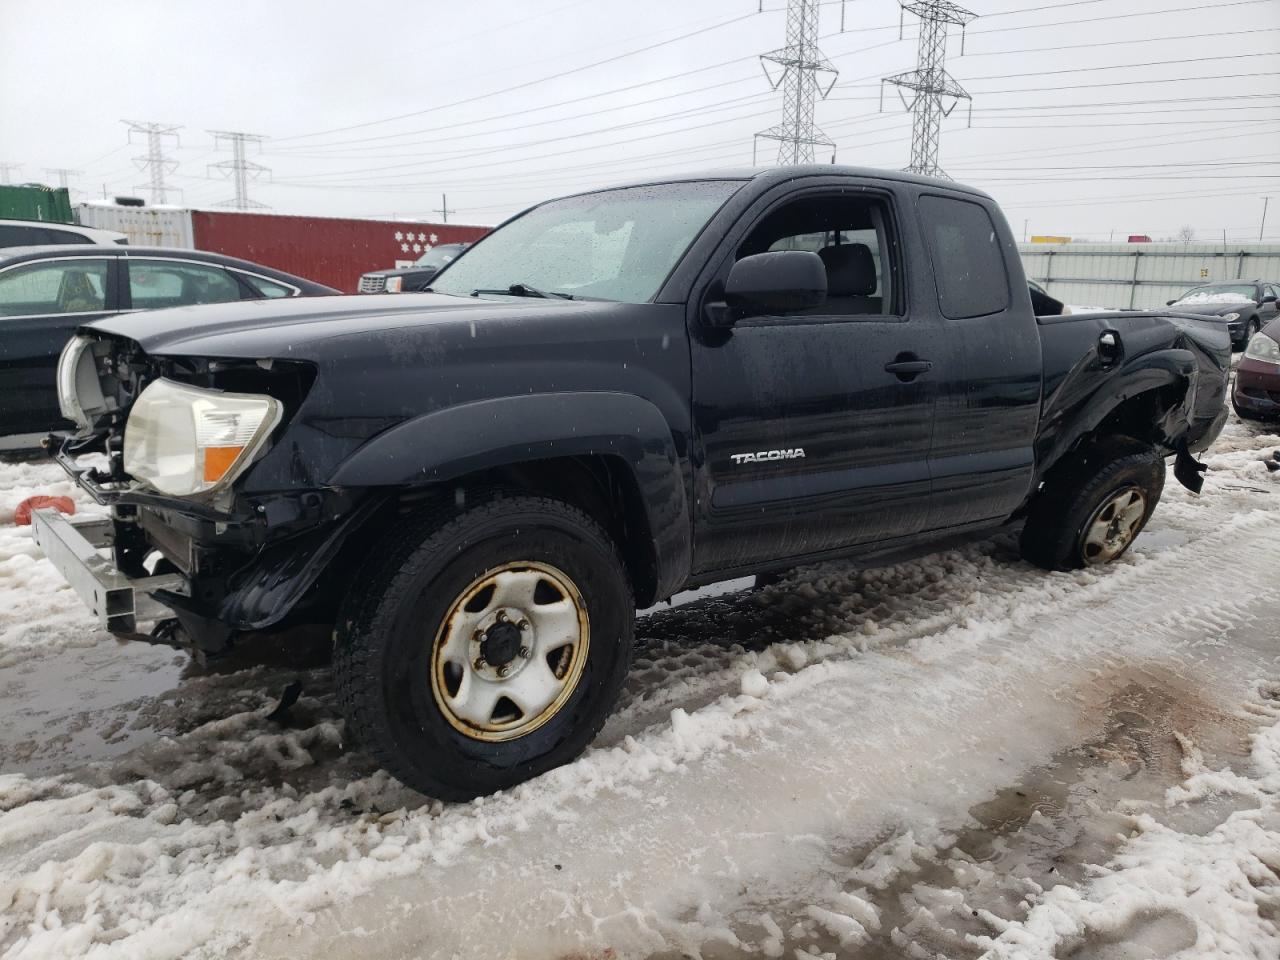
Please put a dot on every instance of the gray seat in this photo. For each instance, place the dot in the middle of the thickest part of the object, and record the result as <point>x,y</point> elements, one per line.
<point>851,279</point>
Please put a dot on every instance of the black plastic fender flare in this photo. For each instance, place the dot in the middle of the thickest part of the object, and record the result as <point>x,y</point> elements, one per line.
<point>449,443</point>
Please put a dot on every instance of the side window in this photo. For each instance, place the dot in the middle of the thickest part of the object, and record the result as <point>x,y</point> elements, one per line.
<point>64,236</point>
<point>14,235</point>
<point>77,285</point>
<point>268,288</point>
<point>851,235</point>
<point>968,263</point>
<point>155,284</point>
<point>1273,290</point>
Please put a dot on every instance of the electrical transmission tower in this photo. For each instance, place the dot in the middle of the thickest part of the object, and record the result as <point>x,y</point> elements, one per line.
<point>155,160</point>
<point>7,170</point>
<point>238,168</point>
<point>936,91</point>
<point>62,173</point>
<point>801,62</point>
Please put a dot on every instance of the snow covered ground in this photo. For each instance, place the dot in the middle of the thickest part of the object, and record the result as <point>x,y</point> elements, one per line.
<point>961,756</point>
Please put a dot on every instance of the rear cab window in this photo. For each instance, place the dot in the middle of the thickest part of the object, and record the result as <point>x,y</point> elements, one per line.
<point>968,263</point>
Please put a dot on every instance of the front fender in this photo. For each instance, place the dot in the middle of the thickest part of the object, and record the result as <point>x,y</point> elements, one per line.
<point>462,439</point>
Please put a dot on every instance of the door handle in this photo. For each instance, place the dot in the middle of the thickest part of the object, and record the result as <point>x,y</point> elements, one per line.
<point>908,369</point>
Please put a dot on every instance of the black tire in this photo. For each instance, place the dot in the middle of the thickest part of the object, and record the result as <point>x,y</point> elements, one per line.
<point>1250,329</point>
<point>1053,537</point>
<point>1242,413</point>
<point>385,639</point>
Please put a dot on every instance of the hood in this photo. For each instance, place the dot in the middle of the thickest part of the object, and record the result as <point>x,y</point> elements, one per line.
<point>1214,309</point>
<point>293,328</point>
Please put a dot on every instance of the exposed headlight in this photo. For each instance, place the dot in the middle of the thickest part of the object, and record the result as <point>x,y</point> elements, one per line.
<point>185,440</point>
<point>1229,317</point>
<point>1262,347</point>
<point>394,284</point>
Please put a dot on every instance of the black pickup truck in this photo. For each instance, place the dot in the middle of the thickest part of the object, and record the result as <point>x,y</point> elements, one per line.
<point>612,397</point>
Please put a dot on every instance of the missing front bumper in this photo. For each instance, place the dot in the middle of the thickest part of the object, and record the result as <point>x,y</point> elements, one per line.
<point>117,601</point>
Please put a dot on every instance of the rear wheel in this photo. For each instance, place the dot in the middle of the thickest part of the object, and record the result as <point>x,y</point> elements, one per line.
<point>1092,510</point>
<point>487,648</point>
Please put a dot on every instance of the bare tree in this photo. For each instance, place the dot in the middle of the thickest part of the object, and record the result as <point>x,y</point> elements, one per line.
<point>1186,234</point>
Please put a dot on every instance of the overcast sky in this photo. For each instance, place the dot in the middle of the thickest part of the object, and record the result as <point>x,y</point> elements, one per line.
<point>1065,142</point>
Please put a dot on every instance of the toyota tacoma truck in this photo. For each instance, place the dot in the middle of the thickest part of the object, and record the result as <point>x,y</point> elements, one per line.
<point>613,397</point>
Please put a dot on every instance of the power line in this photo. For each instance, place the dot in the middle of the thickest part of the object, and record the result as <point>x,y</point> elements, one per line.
<point>240,169</point>
<point>155,161</point>
<point>519,86</point>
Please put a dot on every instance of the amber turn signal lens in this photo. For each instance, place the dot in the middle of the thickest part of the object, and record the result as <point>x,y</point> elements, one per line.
<point>218,460</point>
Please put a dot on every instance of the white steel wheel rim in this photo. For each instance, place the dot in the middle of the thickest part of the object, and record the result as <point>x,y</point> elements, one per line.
<point>1113,526</point>
<point>510,651</point>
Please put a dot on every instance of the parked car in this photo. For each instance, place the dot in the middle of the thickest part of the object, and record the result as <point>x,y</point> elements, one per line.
<point>414,278</point>
<point>712,376</point>
<point>1256,395</point>
<point>1246,306</point>
<point>35,233</point>
<point>48,291</point>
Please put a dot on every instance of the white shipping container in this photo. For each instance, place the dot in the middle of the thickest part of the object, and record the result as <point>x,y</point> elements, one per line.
<point>144,226</point>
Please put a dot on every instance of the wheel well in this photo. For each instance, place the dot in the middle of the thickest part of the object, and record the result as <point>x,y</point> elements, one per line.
<point>601,486</point>
<point>1134,425</point>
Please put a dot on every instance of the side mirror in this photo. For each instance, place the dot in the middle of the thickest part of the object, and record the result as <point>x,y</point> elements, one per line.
<point>1170,303</point>
<point>778,282</point>
<point>1269,298</point>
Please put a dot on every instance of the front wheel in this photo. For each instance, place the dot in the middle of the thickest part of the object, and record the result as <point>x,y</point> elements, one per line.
<point>1091,511</point>
<point>487,647</point>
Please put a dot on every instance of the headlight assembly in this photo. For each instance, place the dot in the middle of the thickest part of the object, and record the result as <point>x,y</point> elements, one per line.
<point>1262,347</point>
<point>1230,317</point>
<point>184,440</point>
<point>394,284</point>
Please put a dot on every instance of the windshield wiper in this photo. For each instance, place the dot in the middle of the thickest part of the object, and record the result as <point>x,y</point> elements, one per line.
<point>524,290</point>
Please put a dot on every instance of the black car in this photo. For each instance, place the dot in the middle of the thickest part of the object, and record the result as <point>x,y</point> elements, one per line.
<point>715,376</point>
<point>1246,305</point>
<point>46,292</point>
<point>414,278</point>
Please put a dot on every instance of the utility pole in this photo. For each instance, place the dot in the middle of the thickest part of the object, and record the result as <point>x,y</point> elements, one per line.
<point>1263,229</point>
<point>155,160</point>
<point>443,209</point>
<point>62,173</point>
<point>7,170</point>
<point>936,91</point>
<point>801,62</point>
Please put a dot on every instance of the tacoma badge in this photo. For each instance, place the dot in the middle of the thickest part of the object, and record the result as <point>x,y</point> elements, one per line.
<point>795,453</point>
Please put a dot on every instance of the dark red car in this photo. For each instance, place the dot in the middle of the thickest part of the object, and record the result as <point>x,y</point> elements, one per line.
<point>1256,395</point>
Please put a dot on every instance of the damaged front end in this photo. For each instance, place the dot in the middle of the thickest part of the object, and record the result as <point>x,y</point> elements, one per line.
<point>162,442</point>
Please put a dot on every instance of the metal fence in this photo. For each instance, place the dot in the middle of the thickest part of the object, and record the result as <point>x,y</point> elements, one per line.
<point>1142,275</point>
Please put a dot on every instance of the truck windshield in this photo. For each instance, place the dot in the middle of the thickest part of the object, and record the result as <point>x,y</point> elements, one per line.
<point>439,256</point>
<point>612,245</point>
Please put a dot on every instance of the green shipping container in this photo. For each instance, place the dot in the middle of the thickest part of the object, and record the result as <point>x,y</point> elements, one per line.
<point>35,203</point>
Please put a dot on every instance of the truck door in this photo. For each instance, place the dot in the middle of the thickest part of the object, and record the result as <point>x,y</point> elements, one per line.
<point>812,430</point>
<point>982,460</point>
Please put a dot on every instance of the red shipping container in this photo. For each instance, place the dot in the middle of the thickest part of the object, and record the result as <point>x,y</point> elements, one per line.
<point>329,250</point>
